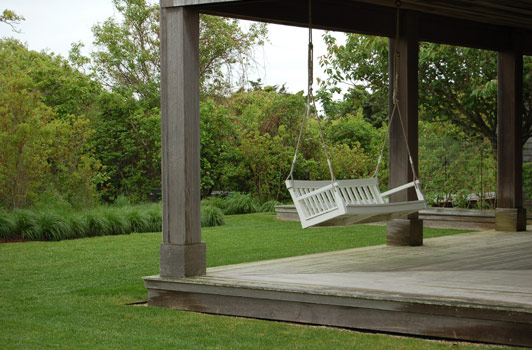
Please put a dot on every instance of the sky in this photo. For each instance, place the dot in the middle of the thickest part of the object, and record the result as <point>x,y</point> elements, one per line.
<point>53,25</point>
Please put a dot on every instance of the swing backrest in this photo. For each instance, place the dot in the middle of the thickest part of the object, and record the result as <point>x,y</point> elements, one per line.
<point>319,197</point>
<point>360,191</point>
<point>353,192</point>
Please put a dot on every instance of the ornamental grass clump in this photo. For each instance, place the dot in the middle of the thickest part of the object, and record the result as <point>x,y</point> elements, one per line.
<point>118,224</point>
<point>80,226</point>
<point>98,224</point>
<point>137,220</point>
<point>154,220</point>
<point>269,206</point>
<point>52,227</point>
<point>7,226</point>
<point>211,216</point>
<point>26,225</point>
<point>238,203</point>
<point>58,224</point>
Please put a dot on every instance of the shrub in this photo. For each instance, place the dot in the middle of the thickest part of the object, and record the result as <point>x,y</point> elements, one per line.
<point>269,206</point>
<point>121,201</point>
<point>52,200</point>
<point>211,216</point>
<point>238,203</point>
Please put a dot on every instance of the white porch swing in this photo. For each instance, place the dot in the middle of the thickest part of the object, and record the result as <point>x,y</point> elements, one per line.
<point>348,202</point>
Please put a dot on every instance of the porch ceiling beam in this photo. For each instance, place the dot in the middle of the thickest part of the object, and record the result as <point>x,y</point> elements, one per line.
<point>377,17</point>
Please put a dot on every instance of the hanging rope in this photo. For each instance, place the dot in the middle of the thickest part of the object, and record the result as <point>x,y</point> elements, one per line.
<point>395,101</point>
<point>310,102</point>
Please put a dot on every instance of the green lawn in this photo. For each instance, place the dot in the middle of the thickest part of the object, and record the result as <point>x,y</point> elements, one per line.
<point>72,294</point>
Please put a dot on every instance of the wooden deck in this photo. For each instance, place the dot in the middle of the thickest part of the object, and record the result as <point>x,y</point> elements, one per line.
<point>474,286</point>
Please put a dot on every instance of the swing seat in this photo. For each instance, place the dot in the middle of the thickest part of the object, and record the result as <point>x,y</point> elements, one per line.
<point>349,202</point>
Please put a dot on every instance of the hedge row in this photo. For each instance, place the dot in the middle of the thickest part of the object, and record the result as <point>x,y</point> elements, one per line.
<point>56,224</point>
<point>39,225</point>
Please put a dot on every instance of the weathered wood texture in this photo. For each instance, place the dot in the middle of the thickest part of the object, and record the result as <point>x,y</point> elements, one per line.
<point>473,286</point>
<point>509,123</point>
<point>501,12</point>
<point>180,143</point>
<point>509,141</point>
<point>404,52</point>
<point>404,125</point>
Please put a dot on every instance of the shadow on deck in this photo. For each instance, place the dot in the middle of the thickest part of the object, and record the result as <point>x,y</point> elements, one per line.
<point>474,286</point>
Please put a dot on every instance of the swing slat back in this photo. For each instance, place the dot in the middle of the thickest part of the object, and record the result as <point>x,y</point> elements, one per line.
<point>349,201</point>
<point>319,201</point>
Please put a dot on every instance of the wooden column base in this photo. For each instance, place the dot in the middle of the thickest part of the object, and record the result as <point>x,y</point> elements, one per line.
<point>510,219</point>
<point>404,232</point>
<point>182,260</point>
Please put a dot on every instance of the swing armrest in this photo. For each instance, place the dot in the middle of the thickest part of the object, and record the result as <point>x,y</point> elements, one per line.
<point>400,188</point>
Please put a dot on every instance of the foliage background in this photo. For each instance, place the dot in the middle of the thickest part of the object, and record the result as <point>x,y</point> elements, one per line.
<point>86,129</point>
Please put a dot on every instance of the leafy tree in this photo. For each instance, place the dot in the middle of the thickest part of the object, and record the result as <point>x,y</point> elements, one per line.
<point>356,99</point>
<point>460,85</point>
<point>456,84</point>
<point>217,147</point>
<point>74,168</point>
<point>60,86</point>
<point>348,162</point>
<point>127,142</point>
<point>11,18</point>
<point>453,165</point>
<point>127,123</point>
<point>355,147</point>
<point>268,161</point>
<point>126,58</point>
<point>25,135</point>
<point>362,65</point>
<point>266,123</point>
<point>266,109</point>
<point>43,150</point>
<point>127,55</point>
<point>224,49</point>
<point>355,130</point>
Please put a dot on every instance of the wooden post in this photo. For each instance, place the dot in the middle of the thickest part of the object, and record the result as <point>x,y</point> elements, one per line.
<point>510,214</point>
<point>409,230</point>
<point>182,253</point>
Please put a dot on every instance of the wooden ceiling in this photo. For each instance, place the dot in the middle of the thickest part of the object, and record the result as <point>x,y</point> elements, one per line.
<point>498,25</point>
<point>517,13</point>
